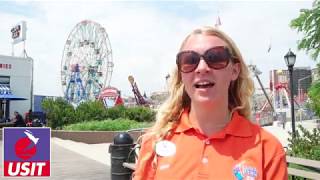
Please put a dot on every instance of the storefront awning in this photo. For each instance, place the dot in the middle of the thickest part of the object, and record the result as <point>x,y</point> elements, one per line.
<point>6,94</point>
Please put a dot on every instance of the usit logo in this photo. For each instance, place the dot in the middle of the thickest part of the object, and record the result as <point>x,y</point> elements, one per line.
<point>26,152</point>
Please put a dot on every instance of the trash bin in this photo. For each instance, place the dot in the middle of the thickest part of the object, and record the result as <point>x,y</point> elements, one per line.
<point>120,150</point>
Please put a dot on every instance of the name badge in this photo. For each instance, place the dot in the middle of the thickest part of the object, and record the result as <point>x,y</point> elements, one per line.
<point>165,148</point>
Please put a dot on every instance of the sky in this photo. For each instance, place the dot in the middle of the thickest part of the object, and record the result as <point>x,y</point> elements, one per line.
<point>145,36</point>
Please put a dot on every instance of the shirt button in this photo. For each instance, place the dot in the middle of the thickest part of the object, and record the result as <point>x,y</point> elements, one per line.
<point>207,142</point>
<point>205,160</point>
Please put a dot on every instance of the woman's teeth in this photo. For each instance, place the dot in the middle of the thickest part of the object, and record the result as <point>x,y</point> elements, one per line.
<point>204,85</point>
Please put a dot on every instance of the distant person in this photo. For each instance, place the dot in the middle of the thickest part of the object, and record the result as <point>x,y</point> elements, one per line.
<point>28,117</point>
<point>2,118</point>
<point>18,120</point>
<point>203,130</point>
<point>119,101</point>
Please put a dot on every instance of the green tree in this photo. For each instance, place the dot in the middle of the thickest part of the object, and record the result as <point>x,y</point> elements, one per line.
<point>308,23</point>
<point>314,94</point>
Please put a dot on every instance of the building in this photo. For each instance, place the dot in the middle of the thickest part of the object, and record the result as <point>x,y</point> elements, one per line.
<point>302,79</point>
<point>37,102</point>
<point>157,98</point>
<point>15,85</point>
<point>280,87</point>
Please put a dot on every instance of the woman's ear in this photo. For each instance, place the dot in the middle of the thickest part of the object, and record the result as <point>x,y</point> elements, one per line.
<point>235,71</point>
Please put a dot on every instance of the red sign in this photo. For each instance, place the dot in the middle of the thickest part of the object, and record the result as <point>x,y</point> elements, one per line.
<point>5,66</point>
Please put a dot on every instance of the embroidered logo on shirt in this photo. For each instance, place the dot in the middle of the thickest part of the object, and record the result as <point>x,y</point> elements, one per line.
<point>243,171</point>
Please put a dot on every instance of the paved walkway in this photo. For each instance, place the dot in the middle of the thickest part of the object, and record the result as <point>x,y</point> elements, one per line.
<point>69,165</point>
<point>283,134</point>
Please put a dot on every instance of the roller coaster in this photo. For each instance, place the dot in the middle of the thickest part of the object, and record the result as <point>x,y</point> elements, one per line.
<point>277,104</point>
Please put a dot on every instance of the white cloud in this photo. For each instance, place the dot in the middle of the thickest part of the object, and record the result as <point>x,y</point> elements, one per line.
<point>145,38</point>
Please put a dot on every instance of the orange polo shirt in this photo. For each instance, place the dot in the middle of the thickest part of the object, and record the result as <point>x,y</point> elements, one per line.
<point>241,151</point>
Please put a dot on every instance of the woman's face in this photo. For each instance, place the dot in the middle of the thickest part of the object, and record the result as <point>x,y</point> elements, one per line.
<point>205,84</point>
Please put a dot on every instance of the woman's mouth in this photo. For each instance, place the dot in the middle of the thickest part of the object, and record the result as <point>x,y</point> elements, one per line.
<point>204,84</point>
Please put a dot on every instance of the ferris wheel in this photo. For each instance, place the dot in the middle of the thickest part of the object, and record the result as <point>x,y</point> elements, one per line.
<point>86,65</point>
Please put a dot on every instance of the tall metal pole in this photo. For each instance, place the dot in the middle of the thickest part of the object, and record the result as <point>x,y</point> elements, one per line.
<point>292,102</point>
<point>31,90</point>
<point>256,73</point>
<point>265,93</point>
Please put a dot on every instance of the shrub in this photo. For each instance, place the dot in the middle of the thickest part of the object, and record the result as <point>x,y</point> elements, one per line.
<point>140,114</point>
<point>115,112</point>
<point>106,125</point>
<point>59,112</point>
<point>305,145</point>
<point>90,110</point>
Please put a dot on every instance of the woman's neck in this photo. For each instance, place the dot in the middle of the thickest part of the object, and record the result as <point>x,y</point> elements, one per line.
<point>209,119</point>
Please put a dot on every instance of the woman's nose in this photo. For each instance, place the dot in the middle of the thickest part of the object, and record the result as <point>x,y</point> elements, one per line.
<point>202,67</point>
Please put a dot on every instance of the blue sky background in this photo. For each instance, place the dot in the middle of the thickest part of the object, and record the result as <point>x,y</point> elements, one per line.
<point>145,35</point>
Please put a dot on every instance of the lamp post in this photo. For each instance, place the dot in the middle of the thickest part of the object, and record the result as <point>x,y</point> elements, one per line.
<point>290,59</point>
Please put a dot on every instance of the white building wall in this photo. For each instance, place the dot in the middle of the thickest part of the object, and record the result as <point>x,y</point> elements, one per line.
<point>20,81</point>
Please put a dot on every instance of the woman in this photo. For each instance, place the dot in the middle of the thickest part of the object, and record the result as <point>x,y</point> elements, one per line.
<point>203,130</point>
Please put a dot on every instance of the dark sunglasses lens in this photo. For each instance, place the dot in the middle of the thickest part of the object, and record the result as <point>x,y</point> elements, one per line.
<point>188,61</point>
<point>217,58</point>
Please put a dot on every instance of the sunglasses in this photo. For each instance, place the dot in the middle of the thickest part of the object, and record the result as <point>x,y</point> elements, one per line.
<point>216,58</point>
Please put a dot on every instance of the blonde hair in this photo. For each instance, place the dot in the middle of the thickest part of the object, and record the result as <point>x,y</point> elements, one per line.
<point>169,113</point>
<point>240,90</point>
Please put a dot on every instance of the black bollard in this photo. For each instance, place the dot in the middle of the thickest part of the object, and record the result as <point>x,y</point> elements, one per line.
<point>120,150</point>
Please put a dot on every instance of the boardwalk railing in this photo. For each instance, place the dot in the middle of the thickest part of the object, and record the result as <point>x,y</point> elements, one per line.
<point>314,166</point>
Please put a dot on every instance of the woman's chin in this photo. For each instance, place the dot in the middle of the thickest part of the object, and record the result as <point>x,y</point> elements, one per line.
<point>204,100</point>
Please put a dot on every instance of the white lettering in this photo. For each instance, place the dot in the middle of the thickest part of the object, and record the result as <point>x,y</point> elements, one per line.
<point>10,172</point>
<point>40,165</point>
<point>33,168</point>
<point>25,169</point>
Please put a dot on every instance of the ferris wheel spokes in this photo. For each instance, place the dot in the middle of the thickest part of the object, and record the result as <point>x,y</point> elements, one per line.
<point>75,91</point>
<point>89,49</point>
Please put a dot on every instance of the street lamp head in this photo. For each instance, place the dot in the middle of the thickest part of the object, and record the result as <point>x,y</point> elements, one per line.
<point>290,58</point>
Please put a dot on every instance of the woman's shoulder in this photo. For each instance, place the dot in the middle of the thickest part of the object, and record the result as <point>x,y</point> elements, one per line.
<point>148,139</point>
<point>268,141</point>
<point>264,134</point>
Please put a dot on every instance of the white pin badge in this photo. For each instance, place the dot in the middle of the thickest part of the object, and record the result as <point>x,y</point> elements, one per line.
<point>165,148</point>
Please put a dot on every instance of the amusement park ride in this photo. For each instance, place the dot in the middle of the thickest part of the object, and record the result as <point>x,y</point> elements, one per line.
<point>137,95</point>
<point>278,100</point>
<point>86,66</point>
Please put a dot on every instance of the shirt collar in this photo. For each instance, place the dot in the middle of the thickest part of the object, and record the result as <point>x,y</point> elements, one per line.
<point>184,123</point>
<point>238,126</point>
